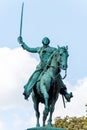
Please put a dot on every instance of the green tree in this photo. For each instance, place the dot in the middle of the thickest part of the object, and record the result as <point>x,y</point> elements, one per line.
<point>72,123</point>
<point>86,109</point>
<point>85,120</point>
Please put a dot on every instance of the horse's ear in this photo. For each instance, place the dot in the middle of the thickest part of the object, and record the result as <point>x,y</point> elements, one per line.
<point>67,47</point>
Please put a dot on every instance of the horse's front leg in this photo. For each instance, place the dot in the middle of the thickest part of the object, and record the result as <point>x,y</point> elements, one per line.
<point>45,94</point>
<point>36,107</point>
<point>45,114</point>
<point>44,87</point>
<point>51,109</point>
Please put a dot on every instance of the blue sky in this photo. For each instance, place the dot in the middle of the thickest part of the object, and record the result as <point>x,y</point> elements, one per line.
<point>65,23</point>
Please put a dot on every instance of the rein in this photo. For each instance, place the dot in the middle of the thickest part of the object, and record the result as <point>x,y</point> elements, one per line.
<point>65,74</point>
<point>59,72</point>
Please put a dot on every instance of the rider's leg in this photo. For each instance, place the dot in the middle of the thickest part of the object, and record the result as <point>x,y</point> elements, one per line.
<point>64,91</point>
<point>67,95</point>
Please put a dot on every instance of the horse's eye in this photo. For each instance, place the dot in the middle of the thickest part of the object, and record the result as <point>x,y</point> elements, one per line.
<point>60,54</point>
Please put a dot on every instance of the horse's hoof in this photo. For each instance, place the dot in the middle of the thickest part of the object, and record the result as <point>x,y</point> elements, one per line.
<point>49,125</point>
<point>38,125</point>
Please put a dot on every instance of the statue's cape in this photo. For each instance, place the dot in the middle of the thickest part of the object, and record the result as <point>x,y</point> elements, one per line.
<point>31,82</point>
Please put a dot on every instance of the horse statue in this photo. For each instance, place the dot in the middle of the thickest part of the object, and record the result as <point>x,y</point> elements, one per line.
<point>48,86</point>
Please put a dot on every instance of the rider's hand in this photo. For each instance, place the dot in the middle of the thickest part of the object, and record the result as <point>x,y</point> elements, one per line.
<point>20,40</point>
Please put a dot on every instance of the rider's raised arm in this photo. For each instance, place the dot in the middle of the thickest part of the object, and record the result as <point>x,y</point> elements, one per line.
<point>26,47</point>
<point>29,49</point>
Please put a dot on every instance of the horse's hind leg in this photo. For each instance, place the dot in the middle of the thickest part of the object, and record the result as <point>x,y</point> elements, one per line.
<point>36,107</point>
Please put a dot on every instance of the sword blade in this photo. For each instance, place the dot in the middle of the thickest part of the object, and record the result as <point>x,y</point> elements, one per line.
<point>21,21</point>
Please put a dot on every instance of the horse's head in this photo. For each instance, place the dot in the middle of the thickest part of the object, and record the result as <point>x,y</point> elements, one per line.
<point>62,57</point>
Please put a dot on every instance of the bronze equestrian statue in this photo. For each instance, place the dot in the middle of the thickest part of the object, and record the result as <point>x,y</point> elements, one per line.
<point>46,83</point>
<point>43,71</point>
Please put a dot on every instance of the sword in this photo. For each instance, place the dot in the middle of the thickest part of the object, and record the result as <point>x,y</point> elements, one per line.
<point>63,101</point>
<point>21,21</point>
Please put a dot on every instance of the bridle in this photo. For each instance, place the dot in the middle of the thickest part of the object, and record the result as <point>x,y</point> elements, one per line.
<point>58,67</point>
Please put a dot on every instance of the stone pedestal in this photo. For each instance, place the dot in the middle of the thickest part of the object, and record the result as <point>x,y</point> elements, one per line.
<point>46,128</point>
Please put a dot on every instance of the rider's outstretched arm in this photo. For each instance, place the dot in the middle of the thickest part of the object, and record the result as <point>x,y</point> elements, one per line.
<point>27,48</point>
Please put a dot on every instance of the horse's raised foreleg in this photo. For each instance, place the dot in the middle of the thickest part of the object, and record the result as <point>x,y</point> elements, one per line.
<point>36,107</point>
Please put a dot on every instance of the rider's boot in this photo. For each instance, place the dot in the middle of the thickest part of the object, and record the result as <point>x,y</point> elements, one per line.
<point>25,96</point>
<point>67,95</point>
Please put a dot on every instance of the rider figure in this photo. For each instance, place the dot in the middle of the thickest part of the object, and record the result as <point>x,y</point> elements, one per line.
<point>44,53</point>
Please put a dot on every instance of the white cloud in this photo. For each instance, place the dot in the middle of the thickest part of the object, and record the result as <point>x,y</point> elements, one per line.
<point>16,66</point>
<point>17,121</point>
<point>2,126</point>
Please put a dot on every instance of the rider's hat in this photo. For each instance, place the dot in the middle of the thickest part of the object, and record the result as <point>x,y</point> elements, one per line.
<point>45,40</point>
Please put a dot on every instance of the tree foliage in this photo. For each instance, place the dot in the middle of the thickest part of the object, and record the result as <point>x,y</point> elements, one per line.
<point>72,123</point>
<point>86,109</point>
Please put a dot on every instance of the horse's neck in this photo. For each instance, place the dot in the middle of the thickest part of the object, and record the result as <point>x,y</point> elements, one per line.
<point>54,62</point>
<point>54,66</point>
